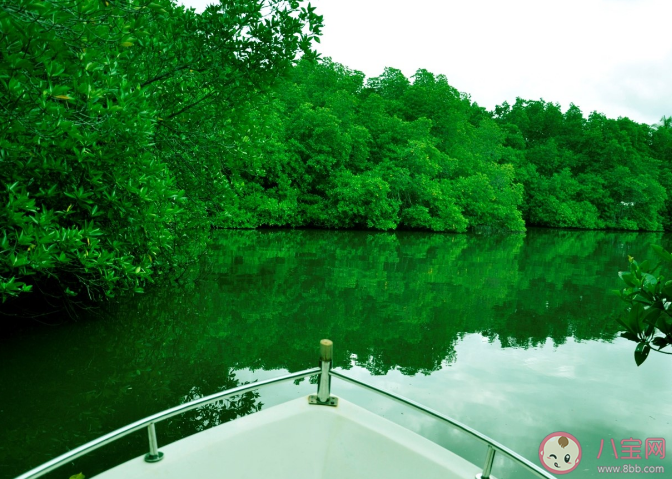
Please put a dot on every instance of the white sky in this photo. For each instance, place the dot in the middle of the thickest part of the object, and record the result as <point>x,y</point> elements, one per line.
<point>612,56</point>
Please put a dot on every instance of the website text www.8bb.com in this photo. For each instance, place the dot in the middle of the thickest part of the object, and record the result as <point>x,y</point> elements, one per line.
<point>629,468</point>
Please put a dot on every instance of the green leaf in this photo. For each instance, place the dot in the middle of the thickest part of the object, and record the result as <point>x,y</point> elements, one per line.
<point>664,325</point>
<point>649,283</point>
<point>641,353</point>
<point>645,266</point>
<point>628,278</point>
<point>667,289</point>
<point>651,315</point>
<point>660,342</point>
<point>661,253</point>
<point>644,298</point>
<point>630,336</point>
<point>78,476</point>
<point>633,318</point>
<point>627,326</point>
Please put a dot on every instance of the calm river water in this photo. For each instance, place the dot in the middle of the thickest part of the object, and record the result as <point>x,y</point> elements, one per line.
<point>513,335</point>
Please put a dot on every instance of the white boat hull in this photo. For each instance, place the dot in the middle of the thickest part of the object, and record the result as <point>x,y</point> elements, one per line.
<point>296,440</point>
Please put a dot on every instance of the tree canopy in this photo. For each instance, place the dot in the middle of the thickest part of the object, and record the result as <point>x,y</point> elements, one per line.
<point>592,172</point>
<point>114,117</point>
<point>337,151</point>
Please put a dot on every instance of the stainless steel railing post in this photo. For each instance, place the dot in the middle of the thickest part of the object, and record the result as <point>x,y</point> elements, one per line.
<point>154,454</point>
<point>323,396</point>
<point>326,356</point>
<point>487,468</point>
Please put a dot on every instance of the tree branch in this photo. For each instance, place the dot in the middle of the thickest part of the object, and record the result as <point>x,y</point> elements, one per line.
<point>190,106</point>
<point>164,75</point>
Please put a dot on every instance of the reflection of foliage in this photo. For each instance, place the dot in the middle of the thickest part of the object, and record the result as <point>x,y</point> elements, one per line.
<point>108,394</point>
<point>648,321</point>
<point>388,300</point>
<point>215,413</point>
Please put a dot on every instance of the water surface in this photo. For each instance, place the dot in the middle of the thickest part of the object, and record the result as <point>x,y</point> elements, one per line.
<point>513,335</point>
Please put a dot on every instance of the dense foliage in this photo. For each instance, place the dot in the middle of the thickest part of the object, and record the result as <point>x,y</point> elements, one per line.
<point>588,173</point>
<point>648,320</point>
<point>335,150</point>
<point>130,128</point>
<point>114,118</point>
<point>338,152</point>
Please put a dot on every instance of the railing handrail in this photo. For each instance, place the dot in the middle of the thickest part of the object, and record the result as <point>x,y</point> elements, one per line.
<point>530,466</point>
<point>160,416</point>
<point>149,421</point>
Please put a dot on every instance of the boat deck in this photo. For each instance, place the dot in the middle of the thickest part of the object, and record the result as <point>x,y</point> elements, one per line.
<point>297,440</point>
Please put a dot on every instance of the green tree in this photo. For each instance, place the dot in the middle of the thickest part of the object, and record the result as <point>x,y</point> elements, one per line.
<point>661,144</point>
<point>114,119</point>
<point>585,173</point>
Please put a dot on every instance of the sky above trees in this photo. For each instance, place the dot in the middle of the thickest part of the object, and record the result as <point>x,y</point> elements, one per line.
<point>611,56</point>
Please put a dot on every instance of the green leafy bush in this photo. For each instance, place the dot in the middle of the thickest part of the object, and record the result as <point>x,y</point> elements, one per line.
<point>114,122</point>
<point>87,204</point>
<point>648,320</point>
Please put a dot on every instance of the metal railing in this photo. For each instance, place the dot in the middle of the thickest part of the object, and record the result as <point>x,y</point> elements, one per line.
<point>493,446</point>
<point>323,397</point>
<point>149,422</point>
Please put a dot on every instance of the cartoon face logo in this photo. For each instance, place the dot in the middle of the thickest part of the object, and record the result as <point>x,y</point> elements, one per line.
<point>560,453</point>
